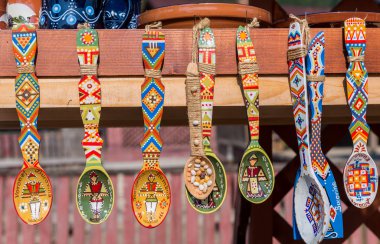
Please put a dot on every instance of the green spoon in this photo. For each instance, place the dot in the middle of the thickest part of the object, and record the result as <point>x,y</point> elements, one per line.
<point>256,176</point>
<point>206,55</point>
<point>95,193</point>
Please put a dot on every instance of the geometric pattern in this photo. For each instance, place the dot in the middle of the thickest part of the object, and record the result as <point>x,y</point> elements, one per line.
<point>152,97</point>
<point>206,55</point>
<point>361,179</point>
<point>313,207</point>
<point>250,82</point>
<point>361,176</point>
<point>27,93</point>
<point>357,80</point>
<point>90,95</point>
<point>315,62</point>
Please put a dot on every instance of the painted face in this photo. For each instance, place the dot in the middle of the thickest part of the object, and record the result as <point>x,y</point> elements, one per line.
<point>151,178</point>
<point>253,160</point>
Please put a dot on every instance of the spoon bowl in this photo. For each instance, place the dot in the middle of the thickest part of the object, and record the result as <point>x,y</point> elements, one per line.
<point>216,198</point>
<point>199,174</point>
<point>151,197</point>
<point>95,195</point>
<point>360,179</point>
<point>32,195</point>
<point>256,175</point>
<point>310,208</point>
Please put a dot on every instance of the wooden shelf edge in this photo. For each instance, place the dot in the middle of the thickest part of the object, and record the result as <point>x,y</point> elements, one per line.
<point>120,52</point>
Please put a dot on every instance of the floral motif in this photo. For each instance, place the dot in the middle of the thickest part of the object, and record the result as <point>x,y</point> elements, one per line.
<point>23,207</point>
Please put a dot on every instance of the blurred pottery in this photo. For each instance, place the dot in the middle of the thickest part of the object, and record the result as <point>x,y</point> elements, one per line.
<point>121,14</point>
<point>24,11</point>
<point>67,14</point>
<point>3,14</point>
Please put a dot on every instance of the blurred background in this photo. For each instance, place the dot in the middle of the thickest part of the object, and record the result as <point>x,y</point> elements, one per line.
<point>63,159</point>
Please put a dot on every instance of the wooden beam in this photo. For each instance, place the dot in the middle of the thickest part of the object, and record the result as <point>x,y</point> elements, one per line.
<point>122,106</point>
<point>120,52</point>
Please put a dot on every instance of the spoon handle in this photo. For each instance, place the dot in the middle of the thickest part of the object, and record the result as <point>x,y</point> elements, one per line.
<point>315,75</point>
<point>152,96</point>
<point>89,93</point>
<point>248,70</point>
<point>357,81</point>
<point>27,91</point>
<point>297,79</point>
<point>206,58</point>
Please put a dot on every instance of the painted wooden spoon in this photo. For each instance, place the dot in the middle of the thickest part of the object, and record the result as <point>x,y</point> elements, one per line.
<point>207,60</point>
<point>360,173</point>
<point>196,182</point>
<point>256,176</point>
<point>151,194</point>
<point>95,192</point>
<point>32,190</point>
<point>315,66</point>
<point>311,204</point>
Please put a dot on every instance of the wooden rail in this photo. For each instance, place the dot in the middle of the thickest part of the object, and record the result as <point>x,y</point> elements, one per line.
<point>121,74</point>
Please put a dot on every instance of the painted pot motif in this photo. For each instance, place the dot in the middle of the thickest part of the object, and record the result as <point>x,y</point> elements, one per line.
<point>67,14</point>
<point>121,14</point>
<point>22,11</point>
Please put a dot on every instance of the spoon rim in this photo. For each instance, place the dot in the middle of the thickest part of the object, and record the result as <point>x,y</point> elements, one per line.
<point>247,151</point>
<point>51,197</point>
<point>213,155</point>
<point>103,170</point>
<point>142,171</point>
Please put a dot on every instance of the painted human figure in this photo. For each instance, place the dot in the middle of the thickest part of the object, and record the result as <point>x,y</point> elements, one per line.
<point>33,187</point>
<point>254,175</point>
<point>96,190</point>
<point>151,188</point>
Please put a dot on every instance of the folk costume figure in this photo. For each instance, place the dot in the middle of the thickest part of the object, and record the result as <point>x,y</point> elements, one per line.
<point>254,175</point>
<point>96,190</point>
<point>151,188</point>
<point>33,190</point>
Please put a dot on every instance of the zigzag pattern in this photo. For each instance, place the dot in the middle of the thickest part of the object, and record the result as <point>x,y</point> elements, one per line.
<point>250,82</point>
<point>206,55</point>
<point>27,93</point>
<point>152,97</point>
<point>315,62</point>
<point>90,95</point>
<point>357,80</point>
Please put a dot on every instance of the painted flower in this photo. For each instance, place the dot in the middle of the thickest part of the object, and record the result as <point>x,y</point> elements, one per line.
<point>23,207</point>
<point>45,205</point>
<point>138,205</point>
<point>87,38</point>
<point>163,204</point>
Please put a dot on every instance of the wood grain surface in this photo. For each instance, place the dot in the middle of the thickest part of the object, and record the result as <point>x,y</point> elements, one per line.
<point>120,52</point>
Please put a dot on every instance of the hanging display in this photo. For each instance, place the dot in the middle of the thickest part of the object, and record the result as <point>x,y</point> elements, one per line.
<point>198,187</point>
<point>207,61</point>
<point>95,192</point>
<point>32,190</point>
<point>256,176</point>
<point>310,201</point>
<point>151,195</point>
<point>315,66</point>
<point>360,173</point>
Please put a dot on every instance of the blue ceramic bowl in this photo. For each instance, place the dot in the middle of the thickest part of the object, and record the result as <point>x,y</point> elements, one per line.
<point>121,14</point>
<point>67,14</point>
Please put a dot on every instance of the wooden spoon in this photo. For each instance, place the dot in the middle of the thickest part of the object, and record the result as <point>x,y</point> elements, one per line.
<point>256,176</point>
<point>151,194</point>
<point>311,205</point>
<point>360,173</point>
<point>207,58</point>
<point>95,192</point>
<point>32,190</point>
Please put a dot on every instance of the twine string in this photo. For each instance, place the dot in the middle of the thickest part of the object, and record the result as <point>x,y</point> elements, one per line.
<point>315,78</point>
<point>355,58</point>
<point>207,68</point>
<point>25,69</point>
<point>154,25</point>
<point>88,69</point>
<point>248,67</point>
<point>153,73</point>
<point>305,35</point>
